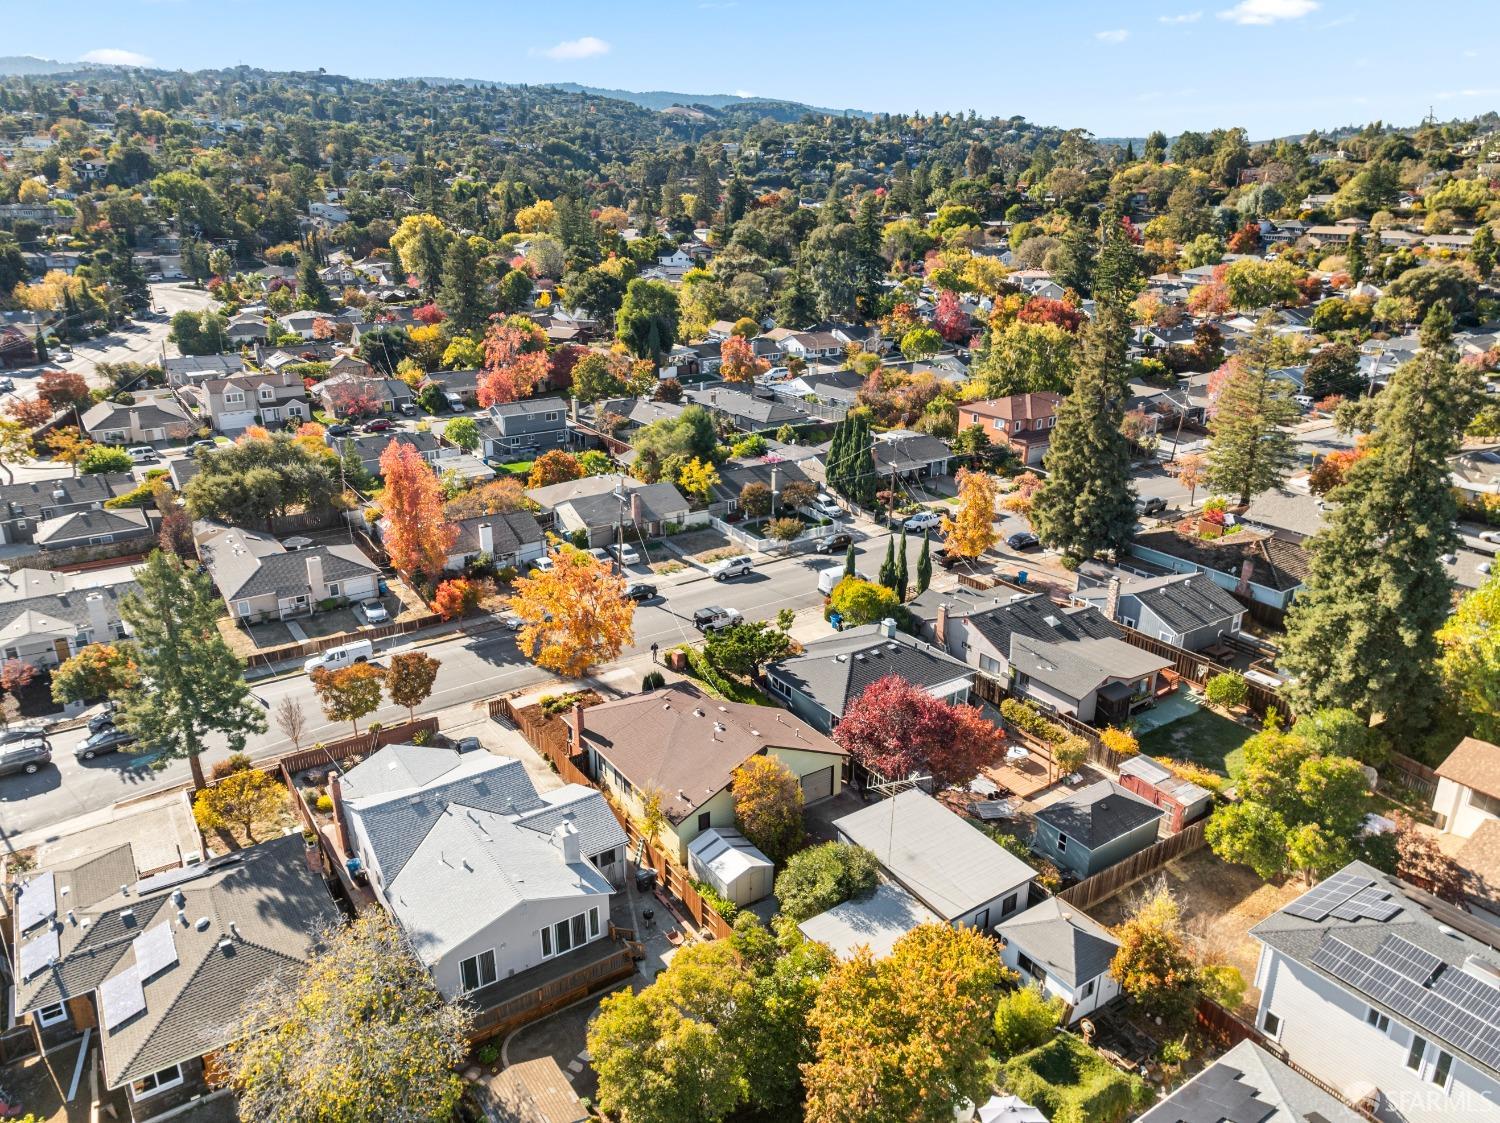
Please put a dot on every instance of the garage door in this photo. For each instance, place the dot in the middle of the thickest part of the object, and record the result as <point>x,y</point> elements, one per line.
<point>817,785</point>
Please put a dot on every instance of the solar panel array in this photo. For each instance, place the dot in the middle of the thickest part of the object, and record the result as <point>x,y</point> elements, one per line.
<point>36,954</point>
<point>121,998</point>
<point>1458,1009</point>
<point>1324,897</point>
<point>155,950</point>
<point>1217,1095</point>
<point>1372,903</point>
<point>37,902</point>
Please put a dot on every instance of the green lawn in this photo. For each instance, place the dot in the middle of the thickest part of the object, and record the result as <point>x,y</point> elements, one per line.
<point>517,467</point>
<point>1203,737</point>
<point>1067,1077</point>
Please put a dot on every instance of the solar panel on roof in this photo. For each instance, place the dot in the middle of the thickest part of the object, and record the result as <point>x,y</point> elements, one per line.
<point>35,954</point>
<point>1474,995</point>
<point>37,902</point>
<point>121,998</point>
<point>155,950</point>
<point>1323,898</point>
<point>1417,964</point>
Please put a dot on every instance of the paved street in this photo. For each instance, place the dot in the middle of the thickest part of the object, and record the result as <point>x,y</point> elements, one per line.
<point>473,668</point>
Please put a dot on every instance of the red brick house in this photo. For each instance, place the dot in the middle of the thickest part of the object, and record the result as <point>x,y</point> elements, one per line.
<point>1022,421</point>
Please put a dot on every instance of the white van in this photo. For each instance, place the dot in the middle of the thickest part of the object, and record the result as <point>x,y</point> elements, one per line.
<point>732,567</point>
<point>337,658</point>
<point>829,578</point>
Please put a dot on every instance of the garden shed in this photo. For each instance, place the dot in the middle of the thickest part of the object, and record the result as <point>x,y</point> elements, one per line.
<point>727,860</point>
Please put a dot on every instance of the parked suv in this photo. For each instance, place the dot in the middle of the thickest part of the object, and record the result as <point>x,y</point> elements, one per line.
<point>1150,504</point>
<point>924,520</point>
<point>713,618</point>
<point>24,756</point>
<point>732,567</point>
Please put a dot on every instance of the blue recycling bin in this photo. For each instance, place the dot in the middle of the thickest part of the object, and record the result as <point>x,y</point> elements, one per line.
<point>1021,577</point>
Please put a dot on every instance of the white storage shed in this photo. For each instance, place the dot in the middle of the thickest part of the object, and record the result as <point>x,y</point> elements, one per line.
<point>725,859</point>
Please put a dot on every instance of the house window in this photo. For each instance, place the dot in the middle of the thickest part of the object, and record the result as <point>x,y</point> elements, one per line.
<point>1374,1017</point>
<point>267,394</point>
<point>551,416</point>
<point>1088,989</point>
<point>1024,963</point>
<point>1020,425</point>
<point>1486,803</point>
<point>703,821</point>
<point>1415,1054</point>
<point>604,858</point>
<point>243,608</point>
<point>594,920</point>
<point>982,919</point>
<point>562,936</point>
<point>1272,1025</point>
<point>478,970</point>
<point>580,934</point>
<point>333,589</point>
<point>546,943</point>
<point>1062,843</point>
<point>989,664</point>
<point>234,398</point>
<point>156,1082</point>
<point>1008,905</point>
<point>51,1015</point>
<point>1442,1070</point>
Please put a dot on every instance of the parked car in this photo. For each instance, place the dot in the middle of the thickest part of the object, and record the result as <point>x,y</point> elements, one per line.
<point>339,429</point>
<point>7,385</point>
<point>713,618</point>
<point>833,543</point>
<point>197,448</point>
<point>827,506</point>
<point>374,612</point>
<point>109,740</point>
<point>738,566</point>
<point>143,454</point>
<point>600,554</point>
<point>543,563</point>
<point>24,756</point>
<point>1022,540</point>
<point>924,520</point>
<point>626,553</point>
<point>639,591</point>
<point>106,720</point>
<point>1489,536</point>
<point>948,560</point>
<point>22,733</point>
<point>337,658</point>
<point>1150,504</point>
<point>408,408</point>
<point>378,425</point>
<point>455,403</point>
<point>512,621</point>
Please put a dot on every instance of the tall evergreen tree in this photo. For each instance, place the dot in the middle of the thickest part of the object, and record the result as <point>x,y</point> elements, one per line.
<point>797,306</point>
<point>460,296</point>
<point>1250,444</point>
<point>903,582</point>
<point>312,292</point>
<point>1117,268</point>
<point>888,567</point>
<point>851,562</point>
<point>871,270</point>
<point>1356,256</point>
<point>924,565</point>
<point>838,449</point>
<point>1361,633</point>
<point>860,464</point>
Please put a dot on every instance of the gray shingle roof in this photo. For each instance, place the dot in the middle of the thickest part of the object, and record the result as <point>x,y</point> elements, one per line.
<point>1066,943</point>
<point>835,671</point>
<point>92,523</point>
<point>26,500</point>
<point>246,563</point>
<point>69,607</point>
<point>1098,814</point>
<point>1275,563</point>
<point>1249,1084</point>
<point>1080,667</point>
<point>154,414</point>
<point>658,501</point>
<point>1190,602</point>
<point>512,531</point>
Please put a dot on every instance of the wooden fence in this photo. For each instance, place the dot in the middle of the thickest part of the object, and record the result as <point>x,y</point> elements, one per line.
<point>357,746</point>
<point>1198,669</point>
<point>287,652</point>
<point>513,1013</point>
<point>1412,775</point>
<point>993,691</point>
<point>547,737</point>
<point>1108,882</point>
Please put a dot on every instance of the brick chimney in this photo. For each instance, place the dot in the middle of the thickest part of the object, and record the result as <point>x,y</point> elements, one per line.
<point>315,576</point>
<point>1247,567</point>
<point>637,512</point>
<point>486,539</point>
<point>577,738</point>
<point>1112,601</point>
<point>941,626</point>
<point>336,793</point>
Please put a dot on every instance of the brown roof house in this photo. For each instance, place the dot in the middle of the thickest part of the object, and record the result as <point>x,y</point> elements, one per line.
<point>685,745</point>
<point>1468,788</point>
<point>158,968</point>
<point>1023,422</point>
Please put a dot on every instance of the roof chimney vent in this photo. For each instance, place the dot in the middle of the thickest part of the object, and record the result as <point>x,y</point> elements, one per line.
<point>201,924</point>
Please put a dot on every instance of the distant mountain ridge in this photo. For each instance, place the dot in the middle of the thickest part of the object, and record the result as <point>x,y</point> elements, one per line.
<point>666,99</point>
<point>30,64</point>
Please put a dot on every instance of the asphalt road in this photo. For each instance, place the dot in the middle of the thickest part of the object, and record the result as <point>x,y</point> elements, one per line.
<point>473,668</point>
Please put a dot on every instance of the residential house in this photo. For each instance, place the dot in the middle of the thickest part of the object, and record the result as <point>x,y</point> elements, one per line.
<point>600,505</point>
<point>509,539</point>
<point>1021,422</point>
<point>613,421</point>
<point>1181,801</point>
<point>903,454</point>
<point>751,410</point>
<point>260,578</point>
<point>369,447</point>
<point>1476,473</point>
<point>1183,609</point>
<point>1091,829</point>
<point>954,869</point>
<point>524,429</point>
<point>738,473</point>
<point>686,745</point>
<point>820,684</point>
<point>464,383</point>
<point>875,921</point>
<point>1248,1083</point>
<point>93,527</point>
<point>813,346</point>
<point>190,369</point>
<point>1071,660</point>
<point>1064,953</point>
<point>1468,788</point>
<point>248,327</point>
<point>1386,995</point>
<point>1291,514</point>
<point>236,403</point>
<point>48,616</point>
<point>387,394</point>
<point>24,505</point>
<point>1264,568</point>
<point>157,968</point>
<point>150,419</point>
<point>835,388</point>
<point>300,322</point>
<point>486,877</point>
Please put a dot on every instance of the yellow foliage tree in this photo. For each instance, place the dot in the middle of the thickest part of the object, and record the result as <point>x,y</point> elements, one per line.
<point>973,531</point>
<point>243,799</point>
<point>697,478</point>
<point>32,190</point>
<point>540,216</point>
<point>574,616</point>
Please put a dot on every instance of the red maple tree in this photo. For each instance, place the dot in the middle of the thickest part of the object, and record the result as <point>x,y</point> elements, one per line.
<point>950,319</point>
<point>418,535</point>
<point>738,361</point>
<point>515,362</point>
<point>428,313</point>
<point>896,728</point>
<point>62,389</point>
<point>1046,310</point>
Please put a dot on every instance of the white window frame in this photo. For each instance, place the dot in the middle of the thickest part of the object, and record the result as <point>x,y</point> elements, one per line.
<point>242,607</point>
<point>477,960</point>
<point>333,589</point>
<point>51,1015</point>
<point>234,397</point>
<point>266,394</point>
<point>1088,989</point>
<point>1378,1021</point>
<point>1062,843</point>
<point>1272,1025</point>
<point>1429,1057</point>
<point>157,1085</point>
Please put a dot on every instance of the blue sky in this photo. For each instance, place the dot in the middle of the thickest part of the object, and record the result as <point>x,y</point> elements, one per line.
<point>1275,67</point>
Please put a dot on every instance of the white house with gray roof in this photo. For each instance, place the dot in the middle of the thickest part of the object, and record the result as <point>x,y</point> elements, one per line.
<point>486,877</point>
<point>47,616</point>
<point>1063,952</point>
<point>1184,609</point>
<point>262,578</point>
<point>1248,1083</point>
<point>1385,994</point>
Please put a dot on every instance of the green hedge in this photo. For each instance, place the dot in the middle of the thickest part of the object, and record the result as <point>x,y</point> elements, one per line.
<point>721,905</point>
<point>1025,718</point>
<point>1072,1083</point>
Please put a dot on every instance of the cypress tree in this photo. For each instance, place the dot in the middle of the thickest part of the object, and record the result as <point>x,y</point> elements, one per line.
<point>924,565</point>
<point>1361,633</point>
<point>834,473</point>
<point>888,567</point>
<point>1356,256</point>
<point>849,562</point>
<point>1250,444</point>
<point>313,292</point>
<point>902,581</point>
<point>861,480</point>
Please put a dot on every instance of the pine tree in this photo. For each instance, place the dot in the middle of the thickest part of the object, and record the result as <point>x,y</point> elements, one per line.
<point>1250,445</point>
<point>903,582</point>
<point>1356,256</point>
<point>798,304</point>
<point>313,293</point>
<point>924,565</point>
<point>1361,633</point>
<point>838,450</point>
<point>1116,271</point>
<point>1482,251</point>
<point>872,268</point>
<point>888,567</point>
<point>460,296</point>
<point>861,464</point>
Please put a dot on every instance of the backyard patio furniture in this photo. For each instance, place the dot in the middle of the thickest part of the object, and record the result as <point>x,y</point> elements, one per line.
<point>984,786</point>
<point>1017,753</point>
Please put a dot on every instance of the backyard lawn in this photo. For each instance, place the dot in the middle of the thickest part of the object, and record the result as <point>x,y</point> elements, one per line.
<point>1203,737</point>
<point>516,467</point>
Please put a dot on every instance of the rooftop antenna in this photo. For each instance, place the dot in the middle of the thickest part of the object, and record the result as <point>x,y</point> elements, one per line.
<point>891,788</point>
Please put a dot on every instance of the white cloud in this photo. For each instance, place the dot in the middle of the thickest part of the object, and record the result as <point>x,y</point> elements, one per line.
<point>587,47</point>
<point>743,93</point>
<point>1119,35</point>
<point>1262,12</point>
<point>1185,17</point>
<point>114,56</point>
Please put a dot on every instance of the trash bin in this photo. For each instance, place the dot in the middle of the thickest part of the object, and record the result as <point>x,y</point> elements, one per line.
<point>1020,577</point>
<point>645,879</point>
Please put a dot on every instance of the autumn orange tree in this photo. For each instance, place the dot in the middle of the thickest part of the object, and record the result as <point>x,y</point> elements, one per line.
<point>417,535</point>
<point>515,361</point>
<point>768,806</point>
<point>458,596</point>
<point>554,467</point>
<point>349,694</point>
<point>574,615</point>
<point>1192,473</point>
<point>68,445</point>
<point>738,361</point>
<point>409,680</point>
<point>973,531</point>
